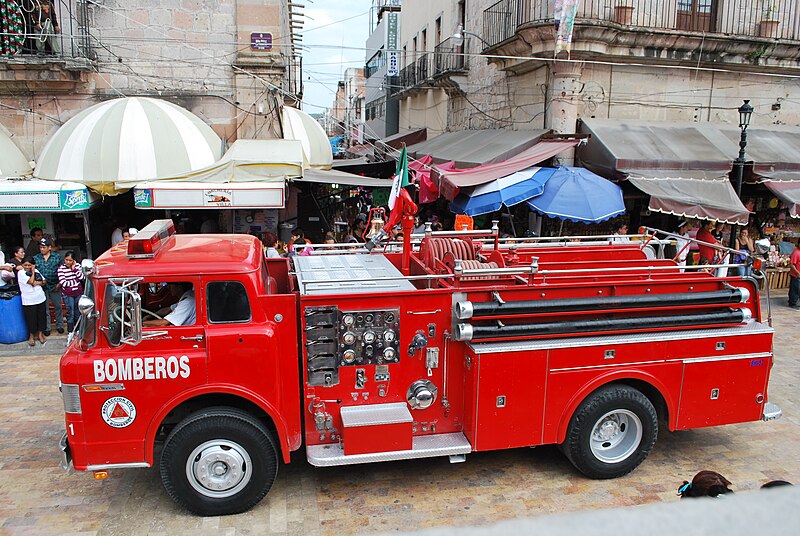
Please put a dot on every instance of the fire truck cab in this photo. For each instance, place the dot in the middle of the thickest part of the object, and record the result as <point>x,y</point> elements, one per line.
<point>197,354</point>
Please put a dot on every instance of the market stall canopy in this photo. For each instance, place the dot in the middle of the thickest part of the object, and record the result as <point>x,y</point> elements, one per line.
<point>128,139</point>
<point>407,137</point>
<point>786,187</point>
<point>615,147</point>
<point>334,176</point>
<point>469,148</point>
<point>450,182</point>
<point>298,125</point>
<point>776,148</point>
<point>577,194</point>
<point>204,195</point>
<point>33,195</point>
<point>246,161</point>
<point>12,162</point>
<point>691,195</point>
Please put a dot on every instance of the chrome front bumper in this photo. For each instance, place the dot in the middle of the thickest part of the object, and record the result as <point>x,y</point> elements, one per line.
<point>771,412</point>
<point>66,455</point>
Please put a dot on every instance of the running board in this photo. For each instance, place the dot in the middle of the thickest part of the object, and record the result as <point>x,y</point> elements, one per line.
<point>427,446</point>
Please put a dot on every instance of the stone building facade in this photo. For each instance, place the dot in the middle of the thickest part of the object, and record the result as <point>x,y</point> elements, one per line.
<point>231,62</point>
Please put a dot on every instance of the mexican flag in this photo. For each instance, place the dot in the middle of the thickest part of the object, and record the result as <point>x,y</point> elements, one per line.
<point>400,178</point>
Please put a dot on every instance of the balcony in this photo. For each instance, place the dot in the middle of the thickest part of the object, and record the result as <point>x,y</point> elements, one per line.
<point>728,31</point>
<point>44,50</point>
<point>441,69</point>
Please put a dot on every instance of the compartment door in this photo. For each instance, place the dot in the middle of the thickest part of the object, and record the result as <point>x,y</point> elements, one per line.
<point>723,391</point>
<point>509,399</point>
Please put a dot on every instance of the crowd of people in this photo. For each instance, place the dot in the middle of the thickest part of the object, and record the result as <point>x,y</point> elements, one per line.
<point>44,277</point>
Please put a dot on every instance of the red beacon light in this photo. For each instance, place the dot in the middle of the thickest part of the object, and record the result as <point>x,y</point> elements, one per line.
<point>146,243</point>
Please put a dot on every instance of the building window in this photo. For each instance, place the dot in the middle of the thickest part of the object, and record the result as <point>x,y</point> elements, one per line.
<point>696,15</point>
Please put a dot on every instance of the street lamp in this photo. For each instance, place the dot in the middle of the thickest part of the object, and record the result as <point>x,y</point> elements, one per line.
<point>458,37</point>
<point>745,113</point>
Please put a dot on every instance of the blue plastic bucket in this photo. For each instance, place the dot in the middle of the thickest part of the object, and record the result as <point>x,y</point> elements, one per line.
<point>12,322</point>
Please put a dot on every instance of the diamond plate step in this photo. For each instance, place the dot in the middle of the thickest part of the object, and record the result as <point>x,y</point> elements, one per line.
<point>429,446</point>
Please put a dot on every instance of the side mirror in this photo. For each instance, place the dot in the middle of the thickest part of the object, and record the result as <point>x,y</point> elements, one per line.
<point>85,305</point>
<point>762,246</point>
<point>133,307</point>
<point>124,316</point>
<point>88,267</point>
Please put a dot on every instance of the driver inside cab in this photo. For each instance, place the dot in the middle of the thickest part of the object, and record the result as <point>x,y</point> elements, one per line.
<point>181,313</point>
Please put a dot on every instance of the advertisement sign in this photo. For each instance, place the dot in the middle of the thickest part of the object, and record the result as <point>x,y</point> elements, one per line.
<point>218,197</point>
<point>393,58</point>
<point>75,199</point>
<point>261,41</point>
<point>143,198</point>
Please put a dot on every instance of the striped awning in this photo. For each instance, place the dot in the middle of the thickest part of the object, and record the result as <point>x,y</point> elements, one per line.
<point>298,125</point>
<point>128,139</point>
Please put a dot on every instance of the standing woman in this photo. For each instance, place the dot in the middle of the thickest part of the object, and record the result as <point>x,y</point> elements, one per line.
<point>70,277</point>
<point>15,265</point>
<point>745,245</point>
<point>31,286</point>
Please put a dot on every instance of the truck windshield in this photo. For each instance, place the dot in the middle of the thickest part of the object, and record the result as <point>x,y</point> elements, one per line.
<point>87,323</point>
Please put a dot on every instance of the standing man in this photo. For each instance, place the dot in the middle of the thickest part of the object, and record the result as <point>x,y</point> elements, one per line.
<point>682,243</point>
<point>620,235</point>
<point>32,248</point>
<point>707,252</point>
<point>47,262</point>
<point>794,277</point>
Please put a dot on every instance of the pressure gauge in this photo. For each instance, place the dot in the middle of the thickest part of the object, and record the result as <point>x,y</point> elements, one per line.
<point>368,318</point>
<point>348,320</point>
<point>369,337</point>
<point>388,335</point>
<point>349,337</point>
<point>349,356</point>
<point>388,354</point>
<point>388,318</point>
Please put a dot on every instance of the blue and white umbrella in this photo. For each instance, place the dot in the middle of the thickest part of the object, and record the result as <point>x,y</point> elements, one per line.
<point>579,195</point>
<point>509,191</point>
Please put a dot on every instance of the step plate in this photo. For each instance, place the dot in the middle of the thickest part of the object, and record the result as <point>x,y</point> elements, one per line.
<point>429,446</point>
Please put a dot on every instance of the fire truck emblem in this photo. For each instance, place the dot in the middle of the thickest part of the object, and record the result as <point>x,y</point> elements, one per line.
<point>118,412</point>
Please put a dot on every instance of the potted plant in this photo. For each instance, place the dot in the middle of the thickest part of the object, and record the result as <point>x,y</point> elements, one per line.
<point>770,21</point>
<point>623,12</point>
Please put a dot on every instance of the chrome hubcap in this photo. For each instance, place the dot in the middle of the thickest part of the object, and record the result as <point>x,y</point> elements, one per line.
<point>616,436</point>
<point>219,468</point>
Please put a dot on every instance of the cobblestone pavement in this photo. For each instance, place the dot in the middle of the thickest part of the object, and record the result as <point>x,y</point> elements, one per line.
<point>37,497</point>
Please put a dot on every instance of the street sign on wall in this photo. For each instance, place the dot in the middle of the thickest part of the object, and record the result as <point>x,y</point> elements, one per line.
<point>261,41</point>
<point>392,57</point>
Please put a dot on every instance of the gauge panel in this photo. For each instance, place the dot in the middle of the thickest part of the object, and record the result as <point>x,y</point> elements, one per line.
<point>369,337</point>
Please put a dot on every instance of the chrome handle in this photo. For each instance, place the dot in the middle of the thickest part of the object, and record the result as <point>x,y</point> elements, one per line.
<point>197,338</point>
<point>424,312</point>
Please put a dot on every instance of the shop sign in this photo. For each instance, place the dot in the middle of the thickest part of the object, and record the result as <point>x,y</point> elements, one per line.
<point>218,197</point>
<point>75,200</point>
<point>261,41</point>
<point>143,198</point>
<point>393,58</point>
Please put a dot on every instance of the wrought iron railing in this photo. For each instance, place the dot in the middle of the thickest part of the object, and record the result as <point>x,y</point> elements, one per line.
<point>55,29</point>
<point>776,19</point>
<point>449,57</point>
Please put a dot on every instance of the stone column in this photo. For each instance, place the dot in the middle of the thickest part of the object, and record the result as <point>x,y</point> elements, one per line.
<point>563,98</point>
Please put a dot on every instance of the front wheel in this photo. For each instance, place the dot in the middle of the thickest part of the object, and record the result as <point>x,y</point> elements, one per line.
<point>219,461</point>
<point>612,432</point>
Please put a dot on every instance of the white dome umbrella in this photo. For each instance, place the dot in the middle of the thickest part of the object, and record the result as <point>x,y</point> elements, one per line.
<point>12,162</point>
<point>128,139</point>
<point>298,125</point>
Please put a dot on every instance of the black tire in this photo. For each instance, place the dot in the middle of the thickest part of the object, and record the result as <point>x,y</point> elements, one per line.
<point>220,439</point>
<point>611,432</point>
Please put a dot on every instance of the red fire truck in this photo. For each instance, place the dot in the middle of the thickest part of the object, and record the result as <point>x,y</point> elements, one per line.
<point>198,354</point>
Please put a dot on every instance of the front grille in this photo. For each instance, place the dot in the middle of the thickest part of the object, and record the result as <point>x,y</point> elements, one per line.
<point>72,398</point>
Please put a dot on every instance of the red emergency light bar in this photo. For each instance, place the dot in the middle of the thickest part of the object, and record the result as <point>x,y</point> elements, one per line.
<point>146,243</point>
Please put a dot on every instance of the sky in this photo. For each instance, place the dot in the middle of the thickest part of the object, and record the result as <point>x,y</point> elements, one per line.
<point>334,37</point>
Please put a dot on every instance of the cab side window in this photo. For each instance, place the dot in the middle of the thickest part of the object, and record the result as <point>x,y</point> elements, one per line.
<point>227,302</point>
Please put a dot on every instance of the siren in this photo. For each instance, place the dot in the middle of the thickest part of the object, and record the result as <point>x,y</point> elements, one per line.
<point>146,243</point>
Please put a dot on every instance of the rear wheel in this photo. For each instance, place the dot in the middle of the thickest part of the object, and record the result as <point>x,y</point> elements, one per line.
<point>219,461</point>
<point>612,432</point>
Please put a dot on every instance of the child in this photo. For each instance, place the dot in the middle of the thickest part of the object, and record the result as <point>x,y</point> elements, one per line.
<point>70,277</point>
<point>31,286</point>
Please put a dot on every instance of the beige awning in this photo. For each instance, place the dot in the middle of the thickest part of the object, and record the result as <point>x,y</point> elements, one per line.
<point>334,176</point>
<point>698,196</point>
<point>786,187</point>
<point>469,148</point>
